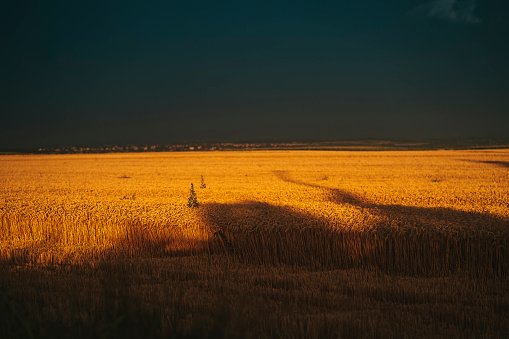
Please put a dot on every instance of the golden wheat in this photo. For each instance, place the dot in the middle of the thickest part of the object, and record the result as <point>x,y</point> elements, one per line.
<point>415,212</point>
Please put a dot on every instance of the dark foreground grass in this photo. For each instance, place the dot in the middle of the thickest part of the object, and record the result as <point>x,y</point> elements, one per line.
<point>214,296</point>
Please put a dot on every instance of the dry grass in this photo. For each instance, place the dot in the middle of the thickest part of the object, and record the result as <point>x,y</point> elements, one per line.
<point>425,215</point>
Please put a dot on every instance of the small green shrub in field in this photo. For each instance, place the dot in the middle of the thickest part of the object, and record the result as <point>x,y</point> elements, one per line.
<point>192,201</point>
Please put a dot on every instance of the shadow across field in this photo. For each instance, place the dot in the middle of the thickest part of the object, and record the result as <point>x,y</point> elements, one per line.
<point>491,162</point>
<point>426,218</point>
<point>261,233</point>
<point>425,241</point>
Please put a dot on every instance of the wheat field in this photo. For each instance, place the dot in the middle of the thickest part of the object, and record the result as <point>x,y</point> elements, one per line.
<point>59,208</point>
<point>421,214</point>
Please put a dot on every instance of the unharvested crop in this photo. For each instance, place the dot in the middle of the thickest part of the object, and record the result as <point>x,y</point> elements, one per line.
<point>382,210</point>
<point>424,215</point>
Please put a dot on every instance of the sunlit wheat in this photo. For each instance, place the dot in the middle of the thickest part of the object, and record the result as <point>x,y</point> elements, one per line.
<point>411,212</point>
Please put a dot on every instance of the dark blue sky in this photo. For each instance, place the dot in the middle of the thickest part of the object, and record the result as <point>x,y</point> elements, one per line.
<point>171,71</point>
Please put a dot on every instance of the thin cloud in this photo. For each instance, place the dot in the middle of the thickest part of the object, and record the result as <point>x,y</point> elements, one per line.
<point>450,10</point>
